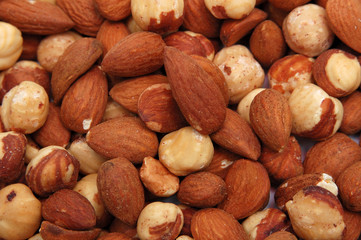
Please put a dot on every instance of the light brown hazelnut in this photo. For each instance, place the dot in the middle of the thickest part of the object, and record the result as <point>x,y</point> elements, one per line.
<point>315,114</point>
<point>230,8</point>
<point>306,30</point>
<point>25,107</point>
<point>157,215</point>
<point>185,151</point>
<point>132,25</point>
<point>184,237</point>
<point>281,235</point>
<point>337,72</point>
<point>245,103</point>
<point>158,16</point>
<point>20,212</point>
<point>52,169</point>
<point>36,237</point>
<point>242,72</point>
<point>11,45</point>
<point>115,110</point>
<point>53,46</point>
<point>316,213</point>
<point>31,149</point>
<point>89,160</point>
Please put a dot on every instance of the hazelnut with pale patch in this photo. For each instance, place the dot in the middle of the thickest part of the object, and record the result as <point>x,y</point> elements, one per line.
<point>11,45</point>
<point>245,103</point>
<point>223,9</point>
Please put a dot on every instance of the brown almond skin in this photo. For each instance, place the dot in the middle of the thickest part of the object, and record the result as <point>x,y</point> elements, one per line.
<point>127,92</point>
<point>50,231</point>
<point>271,119</point>
<point>69,209</point>
<point>113,10</point>
<point>353,224</point>
<point>114,236</point>
<point>85,100</point>
<point>275,14</point>
<point>248,188</point>
<point>281,235</point>
<point>351,121</point>
<point>75,61</point>
<point>130,138</point>
<point>267,43</point>
<point>53,131</point>
<point>210,222</point>
<point>121,189</point>
<point>332,156</point>
<point>288,5</point>
<point>137,54</point>
<point>202,190</point>
<point>30,46</point>
<point>37,17</point>
<point>197,95</point>
<point>237,136</point>
<point>188,213</point>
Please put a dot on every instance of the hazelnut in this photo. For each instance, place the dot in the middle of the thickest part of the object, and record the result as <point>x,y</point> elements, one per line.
<point>315,114</point>
<point>52,169</point>
<point>158,16</point>
<point>281,235</point>
<point>36,237</point>
<point>184,237</point>
<point>185,151</point>
<point>25,107</point>
<point>115,110</point>
<point>230,9</point>
<point>316,213</point>
<point>53,46</point>
<point>132,25</point>
<point>306,30</point>
<point>20,212</point>
<point>242,72</point>
<point>158,220</point>
<point>188,213</point>
<point>245,103</point>
<point>31,149</point>
<point>11,45</point>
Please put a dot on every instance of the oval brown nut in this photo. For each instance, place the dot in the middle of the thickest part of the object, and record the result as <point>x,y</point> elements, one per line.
<point>188,213</point>
<point>210,222</point>
<point>137,54</point>
<point>353,224</point>
<point>114,236</point>
<point>121,189</point>
<point>67,208</point>
<point>202,190</point>
<point>281,235</point>
<point>129,138</point>
<point>113,10</point>
<point>287,5</point>
<point>248,188</point>
<point>351,121</point>
<point>50,231</point>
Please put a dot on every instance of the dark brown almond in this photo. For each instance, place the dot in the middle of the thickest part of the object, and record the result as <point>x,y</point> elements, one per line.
<point>348,184</point>
<point>351,121</point>
<point>51,231</point>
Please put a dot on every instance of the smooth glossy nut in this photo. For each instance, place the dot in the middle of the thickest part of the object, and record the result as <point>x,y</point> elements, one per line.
<point>158,220</point>
<point>11,45</point>
<point>184,237</point>
<point>185,151</point>
<point>306,30</point>
<point>230,8</point>
<point>245,103</point>
<point>25,107</point>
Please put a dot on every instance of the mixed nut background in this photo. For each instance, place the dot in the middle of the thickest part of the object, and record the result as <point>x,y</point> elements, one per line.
<point>153,119</point>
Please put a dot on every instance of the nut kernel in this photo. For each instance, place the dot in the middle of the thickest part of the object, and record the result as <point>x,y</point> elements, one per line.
<point>11,45</point>
<point>235,9</point>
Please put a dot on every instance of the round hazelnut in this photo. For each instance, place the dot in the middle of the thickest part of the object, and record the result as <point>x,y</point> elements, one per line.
<point>52,169</point>
<point>53,46</point>
<point>157,215</point>
<point>306,30</point>
<point>158,16</point>
<point>132,25</point>
<point>245,103</point>
<point>31,149</point>
<point>242,72</point>
<point>234,9</point>
<point>184,237</point>
<point>185,151</point>
<point>25,107</point>
<point>20,212</point>
<point>11,45</point>
<point>114,110</point>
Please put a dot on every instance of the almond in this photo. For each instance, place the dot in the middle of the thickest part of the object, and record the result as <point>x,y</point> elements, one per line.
<point>69,209</point>
<point>35,17</point>
<point>113,10</point>
<point>137,54</point>
<point>121,189</point>
<point>129,138</point>
<point>351,121</point>
<point>75,61</point>
<point>198,96</point>
<point>50,231</point>
<point>353,224</point>
<point>271,118</point>
<point>84,103</point>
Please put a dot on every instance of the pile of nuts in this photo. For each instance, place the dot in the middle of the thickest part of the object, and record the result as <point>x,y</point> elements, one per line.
<point>179,119</point>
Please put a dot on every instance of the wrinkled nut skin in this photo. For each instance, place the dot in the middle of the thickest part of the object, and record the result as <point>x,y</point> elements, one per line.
<point>39,172</point>
<point>114,10</point>
<point>230,9</point>
<point>210,222</point>
<point>291,71</point>
<point>12,151</point>
<point>19,207</point>
<point>53,46</point>
<point>332,156</point>
<point>181,163</point>
<point>114,236</point>
<point>202,190</point>
<point>158,179</point>
<point>160,17</point>
<point>50,231</point>
<point>25,107</point>
<point>348,183</point>
<point>116,179</point>
<point>288,5</point>
<point>353,224</point>
<point>263,223</point>
<point>316,213</point>
<point>248,188</point>
<point>281,235</point>
<point>351,121</point>
<point>159,220</point>
<point>69,209</point>
<point>307,37</point>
